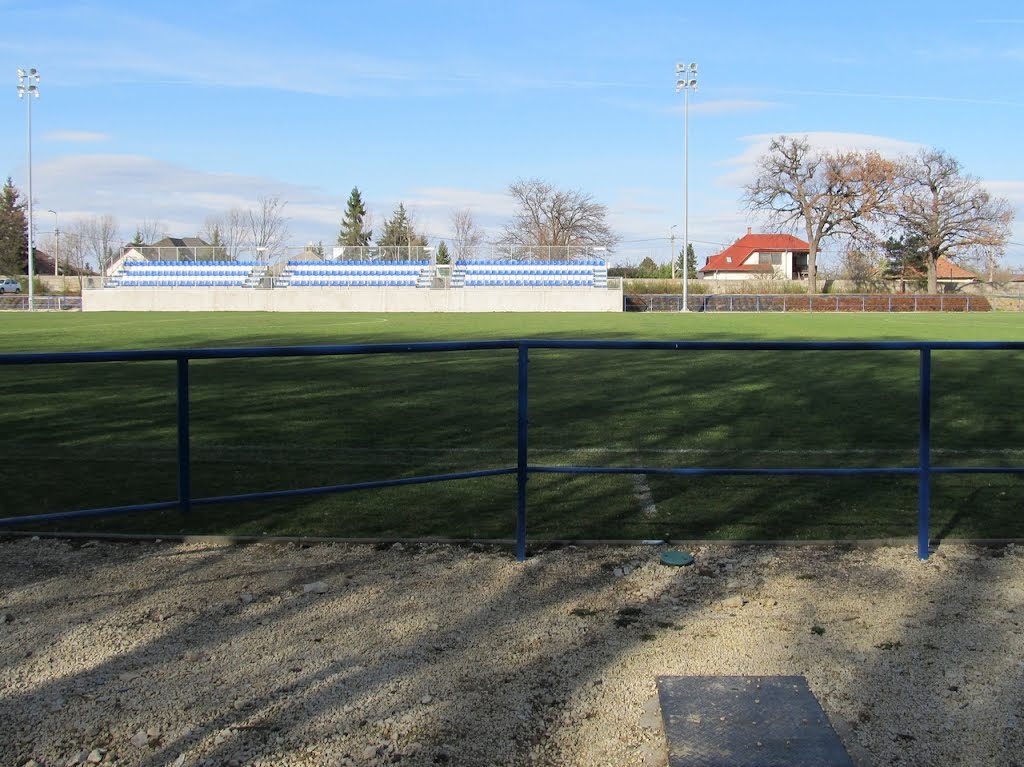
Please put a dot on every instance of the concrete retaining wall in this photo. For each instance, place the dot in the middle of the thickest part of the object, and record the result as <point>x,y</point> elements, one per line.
<point>361,299</point>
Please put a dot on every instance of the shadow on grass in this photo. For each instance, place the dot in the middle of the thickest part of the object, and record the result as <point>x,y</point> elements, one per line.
<point>285,423</point>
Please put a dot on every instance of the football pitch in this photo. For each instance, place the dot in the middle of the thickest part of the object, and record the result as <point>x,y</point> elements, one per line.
<point>104,434</point>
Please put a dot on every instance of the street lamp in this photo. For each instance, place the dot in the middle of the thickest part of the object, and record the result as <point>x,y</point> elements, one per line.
<point>56,241</point>
<point>27,80</point>
<point>686,78</point>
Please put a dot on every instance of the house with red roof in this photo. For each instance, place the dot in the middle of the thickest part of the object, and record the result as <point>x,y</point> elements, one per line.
<point>950,276</point>
<point>781,256</point>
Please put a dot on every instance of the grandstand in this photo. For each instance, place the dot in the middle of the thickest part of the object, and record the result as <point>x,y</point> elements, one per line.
<point>185,274</point>
<point>590,273</point>
<point>347,274</point>
<point>376,280</point>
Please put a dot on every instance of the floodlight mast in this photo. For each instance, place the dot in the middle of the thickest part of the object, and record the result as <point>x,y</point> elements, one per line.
<point>672,248</point>
<point>27,86</point>
<point>686,78</point>
<point>56,240</point>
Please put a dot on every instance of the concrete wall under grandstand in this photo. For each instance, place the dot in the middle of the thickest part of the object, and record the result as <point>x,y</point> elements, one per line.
<point>354,299</point>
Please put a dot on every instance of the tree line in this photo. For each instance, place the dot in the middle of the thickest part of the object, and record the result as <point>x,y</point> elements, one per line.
<point>543,215</point>
<point>915,210</point>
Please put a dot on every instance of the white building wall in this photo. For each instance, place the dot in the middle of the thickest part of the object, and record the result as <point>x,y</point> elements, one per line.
<point>359,299</point>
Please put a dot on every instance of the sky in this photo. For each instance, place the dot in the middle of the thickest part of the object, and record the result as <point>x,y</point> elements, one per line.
<point>171,112</point>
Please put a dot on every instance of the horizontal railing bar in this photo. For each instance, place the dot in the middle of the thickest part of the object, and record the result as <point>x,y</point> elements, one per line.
<point>725,471</point>
<point>375,484</point>
<point>157,355</point>
<point>371,485</point>
<point>83,513</point>
<point>260,496</point>
<point>171,355</point>
<point>976,469</point>
<point>773,345</point>
<point>713,472</point>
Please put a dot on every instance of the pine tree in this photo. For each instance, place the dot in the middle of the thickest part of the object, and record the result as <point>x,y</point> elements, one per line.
<point>13,232</point>
<point>442,253</point>
<point>137,239</point>
<point>690,263</point>
<point>398,230</point>
<point>352,231</point>
<point>905,260</point>
<point>647,268</point>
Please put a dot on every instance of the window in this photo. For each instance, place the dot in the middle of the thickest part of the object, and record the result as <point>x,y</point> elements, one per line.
<point>775,259</point>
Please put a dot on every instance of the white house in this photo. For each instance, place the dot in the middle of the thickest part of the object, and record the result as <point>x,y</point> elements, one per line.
<point>782,256</point>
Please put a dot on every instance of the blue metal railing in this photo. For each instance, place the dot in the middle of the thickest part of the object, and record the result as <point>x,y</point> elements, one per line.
<point>185,502</point>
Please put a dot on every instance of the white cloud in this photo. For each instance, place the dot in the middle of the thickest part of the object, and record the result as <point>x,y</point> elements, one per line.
<point>76,136</point>
<point>133,188</point>
<point>742,165</point>
<point>448,198</point>
<point>432,206</point>
<point>1011,190</point>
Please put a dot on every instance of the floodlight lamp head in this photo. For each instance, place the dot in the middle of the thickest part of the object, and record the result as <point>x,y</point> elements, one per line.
<point>679,68</point>
<point>680,84</point>
<point>693,67</point>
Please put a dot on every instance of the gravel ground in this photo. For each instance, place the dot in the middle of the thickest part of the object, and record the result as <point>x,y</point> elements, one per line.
<point>206,653</point>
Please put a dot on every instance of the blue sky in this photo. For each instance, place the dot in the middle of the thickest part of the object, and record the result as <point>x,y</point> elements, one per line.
<point>172,112</point>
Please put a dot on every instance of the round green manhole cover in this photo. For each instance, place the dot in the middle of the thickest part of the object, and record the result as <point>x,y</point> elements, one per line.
<point>676,558</point>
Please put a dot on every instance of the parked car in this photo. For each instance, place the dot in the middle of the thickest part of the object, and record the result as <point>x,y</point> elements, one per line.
<point>7,285</point>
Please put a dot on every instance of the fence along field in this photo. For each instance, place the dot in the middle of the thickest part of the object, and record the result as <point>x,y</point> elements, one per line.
<point>108,434</point>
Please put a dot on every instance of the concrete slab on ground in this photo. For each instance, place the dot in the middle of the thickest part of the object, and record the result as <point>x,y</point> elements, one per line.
<point>746,721</point>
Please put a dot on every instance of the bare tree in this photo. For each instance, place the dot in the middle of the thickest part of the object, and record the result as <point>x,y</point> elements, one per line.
<point>99,234</point>
<point>831,193</point>
<point>860,266</point>
<point>230,229</point>
<point>150,231</point>
<point>467,234</point>
<point>268,227</point>
<point>951,213</point>
<point>74,249</point>
<point>233,232</point>
<point>549,216</point>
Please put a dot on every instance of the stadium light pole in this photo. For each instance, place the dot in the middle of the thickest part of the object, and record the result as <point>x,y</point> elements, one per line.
<point>56,241</point>
<point>686,78</point>
<point>672,248</point>
<point>27,79</point>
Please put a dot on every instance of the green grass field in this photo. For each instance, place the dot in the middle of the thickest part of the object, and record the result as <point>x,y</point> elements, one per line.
<point>81,436</point>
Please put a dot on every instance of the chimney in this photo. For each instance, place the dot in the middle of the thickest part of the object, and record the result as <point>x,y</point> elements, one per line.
<point>748,231</point>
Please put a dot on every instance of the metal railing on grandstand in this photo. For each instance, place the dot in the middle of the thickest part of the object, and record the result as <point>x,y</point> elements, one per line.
<point>185,502</point>
<point>496,253</point>
<point>19,302</point>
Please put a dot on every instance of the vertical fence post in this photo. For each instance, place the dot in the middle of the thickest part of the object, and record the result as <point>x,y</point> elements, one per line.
<point>924,479</point>
<point>523,454</point>
<point>184,454</point>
